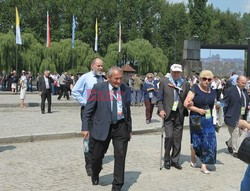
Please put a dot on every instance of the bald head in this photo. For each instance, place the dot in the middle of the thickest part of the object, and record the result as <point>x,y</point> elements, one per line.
<point>241,82</point>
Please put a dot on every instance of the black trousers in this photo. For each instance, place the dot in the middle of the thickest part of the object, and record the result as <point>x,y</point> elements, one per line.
<point>173,136</point>
<point>120,136</point>
<point>88,156</point>
<point>44,96</point>
<point>64,90</point>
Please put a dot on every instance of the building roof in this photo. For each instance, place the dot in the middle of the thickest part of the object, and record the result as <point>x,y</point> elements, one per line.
<point>128,68</point>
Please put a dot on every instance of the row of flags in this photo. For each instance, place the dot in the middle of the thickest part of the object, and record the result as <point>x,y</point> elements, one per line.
<point>19,39</point>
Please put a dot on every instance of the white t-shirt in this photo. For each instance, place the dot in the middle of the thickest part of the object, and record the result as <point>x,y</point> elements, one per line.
<point>23,81</point>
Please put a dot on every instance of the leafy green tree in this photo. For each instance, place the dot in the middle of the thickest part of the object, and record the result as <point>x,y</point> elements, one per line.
<point>140,54</point>
<point>7,51</point>
<point>199,19</point>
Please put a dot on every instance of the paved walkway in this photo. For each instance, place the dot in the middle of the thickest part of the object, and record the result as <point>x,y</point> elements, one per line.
<point>28,124</point>
<point>59,165</point>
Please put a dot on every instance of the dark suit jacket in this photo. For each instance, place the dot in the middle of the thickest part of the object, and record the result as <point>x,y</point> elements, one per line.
<point>42,85</point>
<point>165,98</point>
<point>99,105</point>
<point>232,106</point>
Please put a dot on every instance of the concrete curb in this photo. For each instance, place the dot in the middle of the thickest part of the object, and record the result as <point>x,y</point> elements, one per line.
<point>68,135</point>
<point>56,136</point>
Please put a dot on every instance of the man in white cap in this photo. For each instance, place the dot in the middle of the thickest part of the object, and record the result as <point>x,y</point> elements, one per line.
<point>172,92</point>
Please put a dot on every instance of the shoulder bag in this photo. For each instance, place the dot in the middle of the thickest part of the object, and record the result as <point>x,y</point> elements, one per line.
<point>244,150</point>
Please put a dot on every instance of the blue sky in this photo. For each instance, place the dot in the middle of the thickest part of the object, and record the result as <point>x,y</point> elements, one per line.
<point>205,53</point>
<point>236,6</point>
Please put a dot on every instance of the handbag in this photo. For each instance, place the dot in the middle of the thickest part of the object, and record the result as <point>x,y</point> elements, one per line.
<point>195,123</point>
<point>244,150</point>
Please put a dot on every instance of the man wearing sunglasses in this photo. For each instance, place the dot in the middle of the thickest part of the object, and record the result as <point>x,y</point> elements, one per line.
<point>236,107</point>
<point>172,92</point>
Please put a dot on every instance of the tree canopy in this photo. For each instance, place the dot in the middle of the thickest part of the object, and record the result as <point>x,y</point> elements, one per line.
<point>153,32</point>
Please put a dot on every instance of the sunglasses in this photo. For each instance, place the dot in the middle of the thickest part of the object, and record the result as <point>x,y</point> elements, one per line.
<point>206,79</point>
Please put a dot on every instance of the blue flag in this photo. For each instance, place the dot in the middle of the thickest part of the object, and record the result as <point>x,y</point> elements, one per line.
<point>73,31</point>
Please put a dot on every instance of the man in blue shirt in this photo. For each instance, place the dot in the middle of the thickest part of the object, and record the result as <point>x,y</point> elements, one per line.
<point>81,93</point>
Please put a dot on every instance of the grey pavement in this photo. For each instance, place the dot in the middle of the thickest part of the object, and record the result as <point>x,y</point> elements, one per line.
<point>58,165</point>
<point>32,100</point>
<point>28,124</point>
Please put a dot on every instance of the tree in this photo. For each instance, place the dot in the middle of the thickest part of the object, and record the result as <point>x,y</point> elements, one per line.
<point>140,54</point>
<point>199,19</point>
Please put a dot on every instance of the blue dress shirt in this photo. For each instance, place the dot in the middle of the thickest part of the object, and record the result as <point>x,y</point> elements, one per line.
<point>83,87</point>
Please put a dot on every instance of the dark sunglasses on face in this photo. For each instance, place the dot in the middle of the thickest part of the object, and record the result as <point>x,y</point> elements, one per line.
<point>206,79</point>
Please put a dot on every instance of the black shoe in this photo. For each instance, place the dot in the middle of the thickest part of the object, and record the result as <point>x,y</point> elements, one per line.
<point>235,155</point>
<point>95,180</point>
<point>43,112</point>
<point>230,149</point>
<point>176,165</point>
<point>49,111</point>
<point>167,165</point>
<point>89,172</point>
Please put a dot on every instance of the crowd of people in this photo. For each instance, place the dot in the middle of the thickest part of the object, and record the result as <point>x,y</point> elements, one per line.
<point>175,97</point>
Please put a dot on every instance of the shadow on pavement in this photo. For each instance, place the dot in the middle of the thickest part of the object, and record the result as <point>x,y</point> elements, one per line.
<point>224,150</point>
<point>155,121</point>
<point>108,159</point>
<point>186,158</point>
<point>130,178</point>
<point>4,148</point>
<point>33,104</point>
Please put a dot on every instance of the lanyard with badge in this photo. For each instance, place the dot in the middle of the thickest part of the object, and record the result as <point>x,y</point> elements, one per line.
<point>243,108</point>
<point>118,98</point>
<point>208,111</point>
<point>176,100</point>
<point>207,108</point>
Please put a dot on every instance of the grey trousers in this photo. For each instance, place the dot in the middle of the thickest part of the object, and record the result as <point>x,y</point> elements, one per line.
<point>236,137</point>
<point>173,137</point>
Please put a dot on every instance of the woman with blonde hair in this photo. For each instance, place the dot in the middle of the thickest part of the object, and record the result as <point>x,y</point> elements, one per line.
<point>150,94</point>
<point>200,101</point>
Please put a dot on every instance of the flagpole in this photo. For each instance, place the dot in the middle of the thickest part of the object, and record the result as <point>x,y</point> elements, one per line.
<point>73,40</point>
<point>18,35</point>
<point>119,44</point>
<point>16,56</point>
<point>72,63</point>
<point>119,60</point>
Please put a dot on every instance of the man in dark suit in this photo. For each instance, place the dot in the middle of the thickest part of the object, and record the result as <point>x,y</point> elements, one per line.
<point>172,92</point>
<point>236,107</point>
<point>44,89</point>
<point>109,102</point>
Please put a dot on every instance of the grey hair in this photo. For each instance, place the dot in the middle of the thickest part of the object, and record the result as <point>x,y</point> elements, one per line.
<point>239,77</point>
<point>46,71</point>
<point>94,61</point>
<point>112,69</point>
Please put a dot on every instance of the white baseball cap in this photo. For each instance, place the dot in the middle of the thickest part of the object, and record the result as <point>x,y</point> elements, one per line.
<point>176,68</point>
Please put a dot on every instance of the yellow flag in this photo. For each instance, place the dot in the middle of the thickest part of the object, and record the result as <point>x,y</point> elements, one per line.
<point>18,32</point>
<point>96,35</point>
